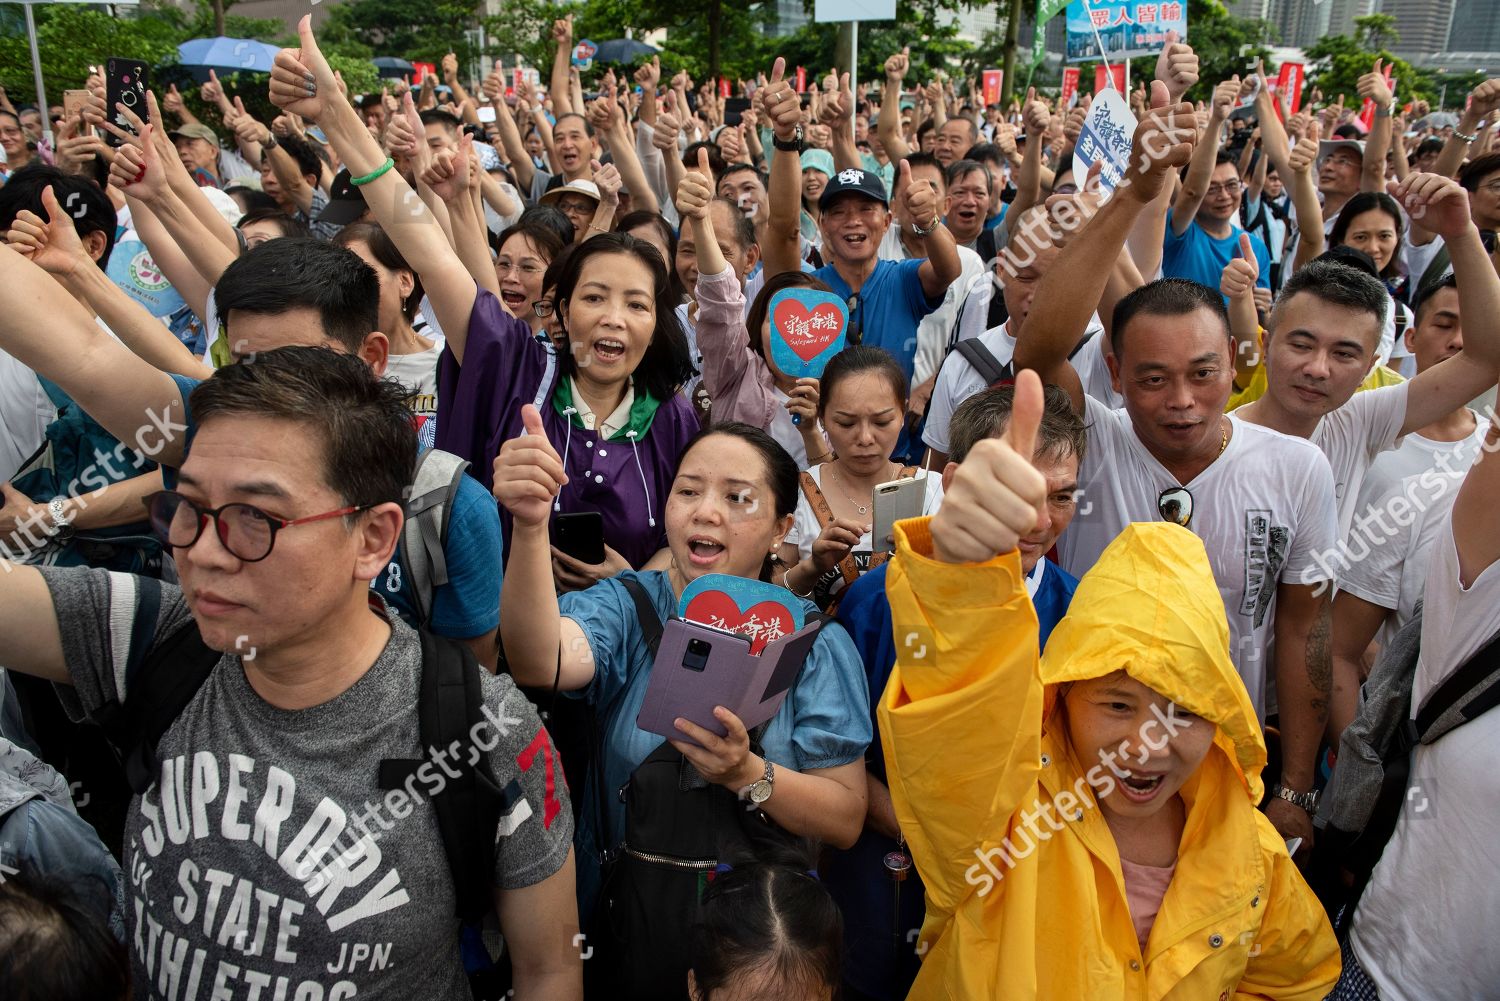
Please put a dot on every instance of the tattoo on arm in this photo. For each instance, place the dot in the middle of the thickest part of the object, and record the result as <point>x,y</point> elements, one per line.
<point>1320,658</point>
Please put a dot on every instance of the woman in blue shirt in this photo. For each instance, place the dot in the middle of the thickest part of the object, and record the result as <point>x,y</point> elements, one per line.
<point>730,506</point>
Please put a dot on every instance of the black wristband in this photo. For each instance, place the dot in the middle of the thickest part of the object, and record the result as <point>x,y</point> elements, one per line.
<point>793,145</point>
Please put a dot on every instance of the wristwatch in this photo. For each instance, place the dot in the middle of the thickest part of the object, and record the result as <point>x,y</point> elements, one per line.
<point>792,145</point>
<point>62,524</point>
<point>1304,800</point>
<point>760,790</point>
<point>919,231</point>
<point>270,140</point>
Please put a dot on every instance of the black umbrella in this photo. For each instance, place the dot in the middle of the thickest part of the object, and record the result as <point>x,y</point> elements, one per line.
<point>391,67</point>
<point>623,50</point>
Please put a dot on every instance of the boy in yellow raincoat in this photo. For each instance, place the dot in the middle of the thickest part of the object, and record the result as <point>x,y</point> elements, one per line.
<point>1086,827</point>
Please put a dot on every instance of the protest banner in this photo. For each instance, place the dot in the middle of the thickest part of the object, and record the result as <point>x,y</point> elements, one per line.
<point>1114,77</point>
<point>1069,88</point>
<point>1289,85</point>
<point>992,86</point>
<point>1124,28</point>
<point>1105,138</point>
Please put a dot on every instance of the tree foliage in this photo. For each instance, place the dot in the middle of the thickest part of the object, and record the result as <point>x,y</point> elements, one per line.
<point>1337,62</point>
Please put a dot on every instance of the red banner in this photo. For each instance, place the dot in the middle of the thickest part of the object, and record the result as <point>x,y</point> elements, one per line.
<point>993,83</point>
<point>1102,77</point>
<point>1069,88</point>
<point>421,71</point>
<point>1367,110</point>
<point>801,80</point>
<point>1289,85</point>
<point>723,87</point>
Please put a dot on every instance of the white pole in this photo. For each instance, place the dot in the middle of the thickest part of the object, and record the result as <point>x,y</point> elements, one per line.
<point>36,72</point>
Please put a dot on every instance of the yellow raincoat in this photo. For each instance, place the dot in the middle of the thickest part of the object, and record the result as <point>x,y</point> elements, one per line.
<point>973,759</point>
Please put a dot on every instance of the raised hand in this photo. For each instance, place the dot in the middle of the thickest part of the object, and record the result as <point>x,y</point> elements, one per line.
<point>1163,142</point>
<point>998,495</point>
<point>246,127</point>
<point>919,198</point>
<point>172,101</point>
<point>1225,96</point>
<point>897,66</point>
<point>212,92</point>
<point>1035,114</point>
<point>302,82</point>
<point>447,173</point>
<point>802,402</point>
<point>1073,124</point>
<point>528,473</point>
<point>1305,153</point>
<point>648,75</point>
<point>400,140</point>
<point>1437,202</point>
<point>1177,67</point>
<point>1485,100</point>
<point>668,126</point>
<point>696,190</point>
<point>52,245</point>
<point>838,102</point>
<point>137,170</point>
<point>1372,87</point>
<point>780,103</point>
<point>607,179</point>
<point>450,68</point>
<point>1241,273</point>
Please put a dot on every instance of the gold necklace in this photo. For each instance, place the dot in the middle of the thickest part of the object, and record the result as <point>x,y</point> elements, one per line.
<point>1223,441</point>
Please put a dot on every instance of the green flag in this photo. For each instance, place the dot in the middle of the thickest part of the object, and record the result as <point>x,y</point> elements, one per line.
<point>1046,10</point>
<point>1039,45</point>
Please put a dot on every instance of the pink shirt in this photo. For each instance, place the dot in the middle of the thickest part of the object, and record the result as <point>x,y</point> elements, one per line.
<point>1145,886</point>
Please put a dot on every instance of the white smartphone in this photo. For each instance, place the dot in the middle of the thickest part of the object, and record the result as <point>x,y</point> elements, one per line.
<point>896,501</point>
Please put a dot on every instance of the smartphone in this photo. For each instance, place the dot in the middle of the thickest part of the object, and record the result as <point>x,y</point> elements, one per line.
<point>580,535</point>
<point>74,101</point>
<point>125,82</point>
<point>896,501</point>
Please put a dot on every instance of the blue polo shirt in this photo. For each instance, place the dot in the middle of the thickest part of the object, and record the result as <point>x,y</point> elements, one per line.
<point>1197,256</point>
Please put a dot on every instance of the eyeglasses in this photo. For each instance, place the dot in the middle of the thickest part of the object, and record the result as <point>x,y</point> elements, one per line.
<point>247,532</point>
<point>1176,505</point>
<point>542,308</point>
<point>1228,188</point>
<point>505,268</point>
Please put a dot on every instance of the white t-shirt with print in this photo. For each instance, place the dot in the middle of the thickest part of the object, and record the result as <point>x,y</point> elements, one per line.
<point>1264,510</point>
<point>1353,435</point>
<point>1425,927</point>
<point>958,380</point>
<point>417,374</point>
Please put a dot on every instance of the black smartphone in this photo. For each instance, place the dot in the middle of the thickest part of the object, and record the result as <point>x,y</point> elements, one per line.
<point>580,535</point>
<point>125,83</point>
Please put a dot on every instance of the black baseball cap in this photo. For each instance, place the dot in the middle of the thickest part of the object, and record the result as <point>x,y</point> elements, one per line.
<point>855,181</point>
<point>346,203</point>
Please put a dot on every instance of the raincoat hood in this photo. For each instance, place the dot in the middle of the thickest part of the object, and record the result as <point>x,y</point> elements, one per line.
<point>1150,606</point>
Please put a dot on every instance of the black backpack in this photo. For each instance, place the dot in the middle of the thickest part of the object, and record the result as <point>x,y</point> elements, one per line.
<point>678,828</point>
<point>1372,781</point>
<point>162,682</point>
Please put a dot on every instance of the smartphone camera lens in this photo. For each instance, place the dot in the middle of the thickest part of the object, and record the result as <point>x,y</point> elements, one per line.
<point>695,658</point>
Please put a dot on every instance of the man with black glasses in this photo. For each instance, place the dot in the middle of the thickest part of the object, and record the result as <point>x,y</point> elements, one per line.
<point>1262,502</point>
<point>271,849</point>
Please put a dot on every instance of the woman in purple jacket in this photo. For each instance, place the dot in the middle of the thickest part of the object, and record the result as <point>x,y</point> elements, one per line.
<point>609,403</point>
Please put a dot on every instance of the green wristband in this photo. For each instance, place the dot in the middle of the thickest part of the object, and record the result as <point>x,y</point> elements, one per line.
<point>374,174</point>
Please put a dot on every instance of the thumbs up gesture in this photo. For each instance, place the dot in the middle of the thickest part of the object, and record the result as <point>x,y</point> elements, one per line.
<point>302,82</point>
<point>528,472</point>
<point>997,496</point>
<point>919,198</point>
<point>1241,273</point>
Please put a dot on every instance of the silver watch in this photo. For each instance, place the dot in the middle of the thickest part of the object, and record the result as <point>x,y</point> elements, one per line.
<point>760,790</point>
<point>1304,800</point>
<point>57,510</point>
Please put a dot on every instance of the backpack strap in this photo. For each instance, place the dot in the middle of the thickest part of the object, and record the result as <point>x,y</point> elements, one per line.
<point>429,508</point>
<point>984,362</point>
<point>645,613</point>
<point>161,678</point>
<point>1476,684</point>
<point>449,708</point>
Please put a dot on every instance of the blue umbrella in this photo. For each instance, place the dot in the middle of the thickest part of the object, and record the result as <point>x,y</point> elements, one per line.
<point>623,50</point>
<point>226,55</point>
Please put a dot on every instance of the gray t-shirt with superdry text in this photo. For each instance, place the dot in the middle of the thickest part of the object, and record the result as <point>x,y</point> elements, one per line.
<point>266,862</point>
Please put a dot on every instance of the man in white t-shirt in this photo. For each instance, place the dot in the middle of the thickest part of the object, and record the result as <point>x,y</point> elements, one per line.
<point>1425,926</point>
<point>1261,501</point>
<point>1402,507</point>
<point>1321,341</point>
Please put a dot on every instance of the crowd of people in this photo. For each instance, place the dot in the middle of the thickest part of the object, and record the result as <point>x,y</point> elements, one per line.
<point>358,464</point>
